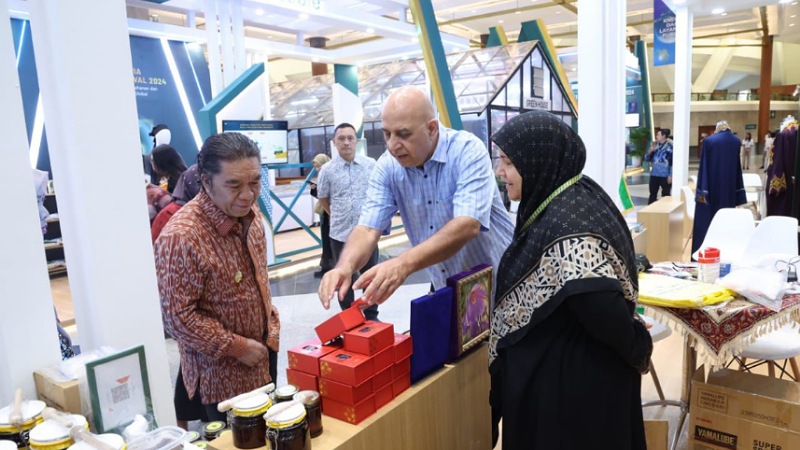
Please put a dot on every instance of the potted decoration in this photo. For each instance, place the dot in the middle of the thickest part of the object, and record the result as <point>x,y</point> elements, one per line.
<point>639,139</point>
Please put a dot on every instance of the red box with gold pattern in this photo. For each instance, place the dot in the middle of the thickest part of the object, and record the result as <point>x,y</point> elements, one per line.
<point>384,395</point>
<point>343,393</point>
<point>369,338</point>
<point>305,357</point>
<point>381,379</point>
<point>402,347</point>
<point>347,413</point>
<point>383,359</point>
<point>401,368</point>
<point>401,384</point>
<point>338,324</point>
<point>304,381</point>
<point>346,367</point>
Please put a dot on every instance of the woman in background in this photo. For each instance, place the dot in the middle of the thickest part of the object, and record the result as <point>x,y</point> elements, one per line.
<point>567,349</point>
<point>747,148</point>
<point>168,165</point>
<point>326,260</point>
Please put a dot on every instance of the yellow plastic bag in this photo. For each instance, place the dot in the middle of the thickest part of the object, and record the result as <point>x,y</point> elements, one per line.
<point>659,290</point>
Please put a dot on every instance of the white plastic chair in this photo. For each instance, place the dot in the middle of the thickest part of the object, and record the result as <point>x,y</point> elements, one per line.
<point>658,331</point>
<point>730,231</point>
<point>775,234</point>
<point>754,188</point>
<point>689,205</point>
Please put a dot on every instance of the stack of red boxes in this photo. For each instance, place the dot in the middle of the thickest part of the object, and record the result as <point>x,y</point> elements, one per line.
<point>355,378</point>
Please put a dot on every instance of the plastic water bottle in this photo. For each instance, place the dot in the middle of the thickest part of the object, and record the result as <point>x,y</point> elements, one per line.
<point>708,267</point>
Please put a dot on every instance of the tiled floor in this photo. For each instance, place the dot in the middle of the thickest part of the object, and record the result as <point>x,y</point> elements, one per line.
<point>294,293</point>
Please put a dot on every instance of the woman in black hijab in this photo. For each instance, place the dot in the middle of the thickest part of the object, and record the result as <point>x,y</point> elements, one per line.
<point>566,351</point>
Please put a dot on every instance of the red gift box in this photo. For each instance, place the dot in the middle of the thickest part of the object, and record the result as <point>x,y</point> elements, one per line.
<point>346,367</point>
<point>383,396</point>
<point>343,393</point>
<point>401,368</point>
<point>347,413</point>
<point>401,384</point>
<point>402,347</point>
<point>370,338</point>
<point>303,381</point>
<point>381,379</point>
<point>305,357</point>
<point>338,324</point>
<point>383,359</point>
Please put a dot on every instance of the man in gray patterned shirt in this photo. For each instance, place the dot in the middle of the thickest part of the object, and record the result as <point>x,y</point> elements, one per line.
<point>341,190</point>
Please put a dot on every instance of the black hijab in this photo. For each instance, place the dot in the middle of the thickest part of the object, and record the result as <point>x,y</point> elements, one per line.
<point>578,243</point>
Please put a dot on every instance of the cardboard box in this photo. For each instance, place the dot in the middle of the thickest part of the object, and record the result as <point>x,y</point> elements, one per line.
<point>347,413</point>
<point>383,396</point>
<point>747,396</point>
<point>735,410</point>
<point>383,359</point>
<point>338,324</point>
<point>346,367</point>
<point>382,379</point>
<point>402,347</point>
<point>305,357</point>
<point>401,384</point>
<point>343,393</point>
<point>303,381</point>
<point>656,434</point>
<point>711,430</point>
<point>401,368</point>
<point>62,395</point>
<point>370,338</point>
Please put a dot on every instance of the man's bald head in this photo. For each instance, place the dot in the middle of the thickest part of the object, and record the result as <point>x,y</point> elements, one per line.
<point>412,100</point>
<point>410,127</point>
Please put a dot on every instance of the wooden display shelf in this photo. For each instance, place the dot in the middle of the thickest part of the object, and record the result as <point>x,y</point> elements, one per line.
<point>447,410</point>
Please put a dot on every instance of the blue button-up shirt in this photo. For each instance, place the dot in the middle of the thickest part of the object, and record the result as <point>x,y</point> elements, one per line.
<point>345,184</point>
<point>457,181</point>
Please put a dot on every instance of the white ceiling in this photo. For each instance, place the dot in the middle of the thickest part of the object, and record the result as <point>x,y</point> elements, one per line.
<point>372,31</point>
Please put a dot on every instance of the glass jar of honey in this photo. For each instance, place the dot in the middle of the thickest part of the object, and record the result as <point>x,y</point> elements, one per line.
<point>287,427</point>
<point>18,433</point>
<point>284,393</point>
<point>311,401</point>
<point>247,422</point>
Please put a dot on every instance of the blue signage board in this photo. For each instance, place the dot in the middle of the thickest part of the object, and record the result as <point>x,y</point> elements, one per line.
<point>664,31</point>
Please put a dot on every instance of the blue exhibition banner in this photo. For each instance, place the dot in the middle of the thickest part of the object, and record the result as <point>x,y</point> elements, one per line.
<point>664,34</point>
<point>172,83</point>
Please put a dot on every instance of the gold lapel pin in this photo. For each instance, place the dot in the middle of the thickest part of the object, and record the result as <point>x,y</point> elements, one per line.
<point>238,277</point>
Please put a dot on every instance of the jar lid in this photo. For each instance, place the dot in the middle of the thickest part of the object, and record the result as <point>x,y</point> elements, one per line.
<point>286,414</point>
<point>252,406</point>
<point>286,392</point>
<point>213,427</point>
<point>708,252</point>
<point>192,436</point>
<point>111,439</point>
<point>307,398</point>
<point>30,410</point>
<point>50,431</point>
<point>200,444</point>
<point>7,445</point>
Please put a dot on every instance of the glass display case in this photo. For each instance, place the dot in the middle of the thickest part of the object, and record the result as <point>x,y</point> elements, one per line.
<point>491,85</point>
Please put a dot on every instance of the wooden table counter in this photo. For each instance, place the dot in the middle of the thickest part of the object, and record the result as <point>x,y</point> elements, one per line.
<point>664,223</point>
<point>446,410</point>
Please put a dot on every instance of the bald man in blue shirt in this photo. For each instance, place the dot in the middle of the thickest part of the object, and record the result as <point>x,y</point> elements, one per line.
<point>442,183</point>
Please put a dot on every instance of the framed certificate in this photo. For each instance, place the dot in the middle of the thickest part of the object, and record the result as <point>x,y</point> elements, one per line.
<point>119,389</point>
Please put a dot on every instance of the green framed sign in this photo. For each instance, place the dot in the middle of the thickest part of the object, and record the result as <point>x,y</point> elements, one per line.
<point>119,390</point>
